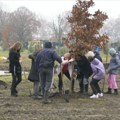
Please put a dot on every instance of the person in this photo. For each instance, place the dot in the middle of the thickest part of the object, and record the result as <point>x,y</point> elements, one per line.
<point>66,70</point>
<point>33,75</point>
<point>44,65</point>
<point>98,74</point>
<point>15,67</point>
<point>112,71</point>
<point>84,71</point>
<point>97,55</point>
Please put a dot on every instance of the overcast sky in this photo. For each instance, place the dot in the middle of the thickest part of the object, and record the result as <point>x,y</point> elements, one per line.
<point>51,8</point>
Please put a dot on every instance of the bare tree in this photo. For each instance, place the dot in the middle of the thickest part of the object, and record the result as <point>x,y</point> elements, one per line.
<point>60,27</point>
<point>4,28</point>
<point>24,24</point>
<point>112,28</point>
<point>44,31</point>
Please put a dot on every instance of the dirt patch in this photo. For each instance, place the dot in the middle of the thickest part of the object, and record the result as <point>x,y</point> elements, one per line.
<point>80,107</point>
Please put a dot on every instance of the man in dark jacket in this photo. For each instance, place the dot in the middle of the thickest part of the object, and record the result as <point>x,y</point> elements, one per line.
<point>44,65</point>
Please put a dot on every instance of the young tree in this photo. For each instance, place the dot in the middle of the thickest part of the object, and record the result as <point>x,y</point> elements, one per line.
<point>85,28</point>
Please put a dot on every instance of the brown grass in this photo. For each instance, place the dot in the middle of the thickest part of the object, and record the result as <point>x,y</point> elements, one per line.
<point>80,107</point>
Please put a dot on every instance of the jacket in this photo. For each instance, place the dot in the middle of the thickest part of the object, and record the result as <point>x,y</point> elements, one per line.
<point>98,69</point>
<point>51,56</point>
<point>14,64</point>
<point>114,64</point>
<point>33,75</point>
<point>83,67</point>
<point>70,64</point>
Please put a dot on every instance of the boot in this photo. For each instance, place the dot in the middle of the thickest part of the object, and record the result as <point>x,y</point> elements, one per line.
<point>67,95</point>
<point>46,96</point>
<point>109,91</point>
<point>81,88</point>
<point>86,89</point>
<point>115,92</point>
<point>73,82</point>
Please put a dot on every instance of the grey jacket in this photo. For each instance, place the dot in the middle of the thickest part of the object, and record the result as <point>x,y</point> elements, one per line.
<point>114,64</point>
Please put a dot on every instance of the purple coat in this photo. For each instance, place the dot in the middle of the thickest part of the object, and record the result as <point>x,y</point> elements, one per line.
<point>98,69</point>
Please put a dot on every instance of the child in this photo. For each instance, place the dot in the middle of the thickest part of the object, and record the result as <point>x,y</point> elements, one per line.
<point>112,71</point>
<point>98,74</point>
<point>66,70</point>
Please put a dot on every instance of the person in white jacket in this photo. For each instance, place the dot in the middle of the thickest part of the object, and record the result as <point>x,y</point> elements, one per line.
<point>66,69</point>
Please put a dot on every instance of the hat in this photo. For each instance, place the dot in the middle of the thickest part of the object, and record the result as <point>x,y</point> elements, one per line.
<point>112,51</point>
<point>48,45</point>
<point>90,54</point>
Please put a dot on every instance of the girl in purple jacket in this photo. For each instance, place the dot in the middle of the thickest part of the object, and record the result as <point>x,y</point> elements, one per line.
<point>98,74</point>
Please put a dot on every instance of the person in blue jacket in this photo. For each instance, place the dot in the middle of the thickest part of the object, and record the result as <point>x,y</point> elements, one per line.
<point>44,65</point>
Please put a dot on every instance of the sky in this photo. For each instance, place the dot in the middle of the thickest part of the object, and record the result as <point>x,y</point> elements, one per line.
<point>52,8</point>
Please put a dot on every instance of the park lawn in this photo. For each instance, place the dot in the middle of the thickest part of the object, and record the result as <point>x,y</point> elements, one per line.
<point>80,107</point>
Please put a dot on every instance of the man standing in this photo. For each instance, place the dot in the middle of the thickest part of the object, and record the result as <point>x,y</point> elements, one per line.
<point>44,65</point>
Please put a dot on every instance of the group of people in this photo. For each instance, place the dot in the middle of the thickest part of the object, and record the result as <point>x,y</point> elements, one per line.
<point>42,71</point>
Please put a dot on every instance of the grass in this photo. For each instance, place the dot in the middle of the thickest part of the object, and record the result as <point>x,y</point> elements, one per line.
<point>80,107</point>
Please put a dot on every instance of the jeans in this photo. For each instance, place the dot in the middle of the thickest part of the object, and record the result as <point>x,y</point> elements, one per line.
<point>45,77</point>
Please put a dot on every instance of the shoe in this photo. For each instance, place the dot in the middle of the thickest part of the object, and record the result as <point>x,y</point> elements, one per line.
<point>100,94</point>
<point>47,101</point>
<point>94,96</point>
<point>14,95</point>
<point>109,91</point>
<point>115,92</point>
<point>80,92</point>
<point>37,97</point>
<point>16,91</point>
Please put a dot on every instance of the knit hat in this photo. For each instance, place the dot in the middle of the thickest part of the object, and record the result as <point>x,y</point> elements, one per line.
<point>112,51</point>
<point>48,45</point>
<point>90,54</point>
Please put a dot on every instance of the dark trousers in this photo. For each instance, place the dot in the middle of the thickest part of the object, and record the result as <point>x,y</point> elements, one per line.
<point>60,81</point>
<point>16,79</point>
<point>95,86</point>
<point>45,76</point>
<point>83,86</point>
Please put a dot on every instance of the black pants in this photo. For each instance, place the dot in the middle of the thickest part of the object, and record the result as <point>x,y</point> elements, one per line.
<point>17,78</point>
<point>83,86</point>
<point>95,86</point>
<point>60,81</point>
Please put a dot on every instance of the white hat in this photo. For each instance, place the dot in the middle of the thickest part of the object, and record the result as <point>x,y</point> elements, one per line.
<point>112,51</point>
<point>90,54</point>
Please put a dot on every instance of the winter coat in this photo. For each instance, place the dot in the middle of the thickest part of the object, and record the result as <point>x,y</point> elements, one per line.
<point>51,57</point>
<point>66,62</point>
<point>114,64</point>
<point>98,69</point>
<point>14,64</point>
<point>33,75</point>
<point>83,67</point>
